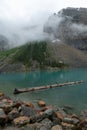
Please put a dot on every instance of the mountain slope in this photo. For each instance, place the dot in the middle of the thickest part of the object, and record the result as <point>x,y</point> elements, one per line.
<point>70,55</point>
<point>41,55</point>
<point>70,26</point>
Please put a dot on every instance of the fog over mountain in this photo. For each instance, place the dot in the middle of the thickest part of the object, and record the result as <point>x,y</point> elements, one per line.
<point>23,20</point>
<point>19,32</point>
<point>70,26</point>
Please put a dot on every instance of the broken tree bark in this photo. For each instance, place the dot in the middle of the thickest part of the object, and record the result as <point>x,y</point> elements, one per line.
<point>17,91</point>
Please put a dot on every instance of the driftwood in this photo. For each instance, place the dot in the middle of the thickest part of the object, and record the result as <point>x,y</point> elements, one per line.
<point>17,91</point>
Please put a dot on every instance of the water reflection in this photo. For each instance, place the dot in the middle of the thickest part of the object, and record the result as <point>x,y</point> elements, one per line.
<point>75,96</point>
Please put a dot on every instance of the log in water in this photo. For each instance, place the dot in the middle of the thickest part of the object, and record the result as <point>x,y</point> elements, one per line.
<point>17,91</point>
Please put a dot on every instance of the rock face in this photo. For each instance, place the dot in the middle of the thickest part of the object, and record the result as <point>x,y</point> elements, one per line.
<point>70,26</point>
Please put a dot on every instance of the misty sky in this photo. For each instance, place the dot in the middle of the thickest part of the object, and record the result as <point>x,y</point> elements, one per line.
<point>23,19</point>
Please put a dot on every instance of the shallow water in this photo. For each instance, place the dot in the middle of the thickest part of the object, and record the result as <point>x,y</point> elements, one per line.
<point>75,95</point>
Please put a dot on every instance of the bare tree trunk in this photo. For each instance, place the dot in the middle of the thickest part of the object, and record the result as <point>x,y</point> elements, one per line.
<point>17,91</point>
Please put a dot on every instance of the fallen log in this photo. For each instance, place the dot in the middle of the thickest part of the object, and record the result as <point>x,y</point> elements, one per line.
<point>17,91</point>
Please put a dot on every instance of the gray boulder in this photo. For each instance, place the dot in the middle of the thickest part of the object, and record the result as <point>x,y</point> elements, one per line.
<point>26,111</point>
<point>46,123</point>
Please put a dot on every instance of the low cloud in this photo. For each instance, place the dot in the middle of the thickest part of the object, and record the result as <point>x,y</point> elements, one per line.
<point>79,28</point>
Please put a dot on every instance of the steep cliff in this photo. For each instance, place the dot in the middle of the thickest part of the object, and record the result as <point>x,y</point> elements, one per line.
<point>69,25</point>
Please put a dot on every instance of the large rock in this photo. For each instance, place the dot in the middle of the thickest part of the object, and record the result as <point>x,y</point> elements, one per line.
<point>56,127</point>
<point>3,117</point>
<point>55,121</point>
<point>47,123</point>
<point>18,103</point>
<point>74,116</point>
<point>60,114</point>
<point>35,126</point>
<point>43,109</point>
<point>49,112</point>
<point>13,114</point>
<point>41,103</point>
<point>71,120</point>
<point>1,94</point>
<point>26,111</point>
<point>68,109</point>
<point>6,105</point>
<point>37,118</point>
<point>83,123</point>
<point>11,128</point>
<point>84,114</point>
<point>20,121</point>
<point>29,104</point>
<point>67,126</point>
<point>44,128</point>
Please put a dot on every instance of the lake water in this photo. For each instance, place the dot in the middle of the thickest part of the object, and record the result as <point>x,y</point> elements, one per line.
<point>75,95</point>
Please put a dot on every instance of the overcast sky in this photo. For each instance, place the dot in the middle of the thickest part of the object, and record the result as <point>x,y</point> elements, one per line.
<point>21,9</point>
<point>15,14</point>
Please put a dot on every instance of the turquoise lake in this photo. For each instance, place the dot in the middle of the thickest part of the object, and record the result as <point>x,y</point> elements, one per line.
<point>75,95</point>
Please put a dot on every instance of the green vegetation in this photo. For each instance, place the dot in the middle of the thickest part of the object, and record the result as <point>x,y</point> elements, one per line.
<point>8,53</point>
<point>32,55</point>
<point>30,52</point>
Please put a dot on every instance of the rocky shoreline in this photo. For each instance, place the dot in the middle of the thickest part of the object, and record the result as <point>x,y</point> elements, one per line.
<point>19,115</point>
